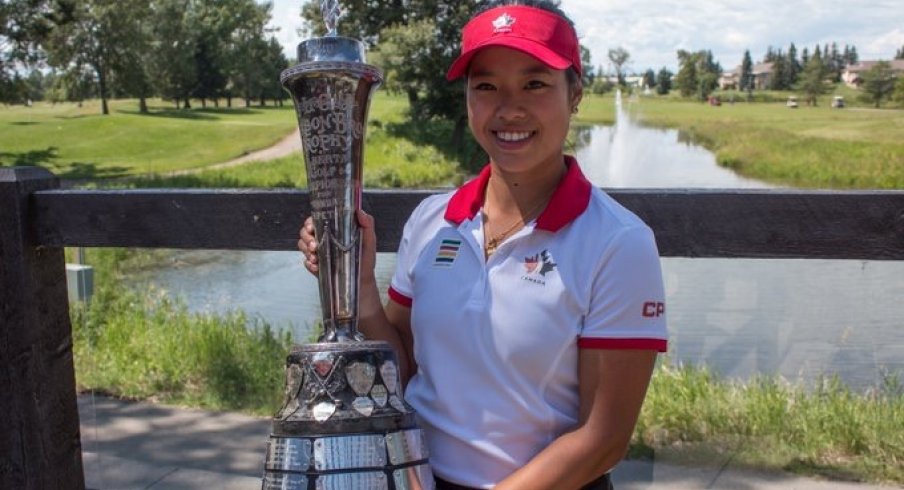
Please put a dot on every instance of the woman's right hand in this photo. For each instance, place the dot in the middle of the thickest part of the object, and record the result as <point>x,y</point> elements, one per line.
<point>307,244</point>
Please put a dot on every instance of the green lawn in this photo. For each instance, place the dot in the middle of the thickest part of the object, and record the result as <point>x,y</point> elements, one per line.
<point>814,147</point>
<point>79,142</point>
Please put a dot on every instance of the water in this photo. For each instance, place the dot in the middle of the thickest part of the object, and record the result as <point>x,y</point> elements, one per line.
<point>801,319</point>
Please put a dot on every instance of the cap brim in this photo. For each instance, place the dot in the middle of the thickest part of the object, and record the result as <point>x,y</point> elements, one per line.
<point>530,47</point>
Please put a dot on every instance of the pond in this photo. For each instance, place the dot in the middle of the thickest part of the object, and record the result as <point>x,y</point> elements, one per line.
<point>802,319</point>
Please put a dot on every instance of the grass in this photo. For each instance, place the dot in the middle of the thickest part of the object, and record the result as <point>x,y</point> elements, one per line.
<point>127,149</point>
<point>77,142</point>
<point>147,346</point>
<point>693,417</point>
<point>809,147</point>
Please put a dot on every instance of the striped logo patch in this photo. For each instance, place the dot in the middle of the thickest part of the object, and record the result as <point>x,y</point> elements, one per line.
<point>448,250</point>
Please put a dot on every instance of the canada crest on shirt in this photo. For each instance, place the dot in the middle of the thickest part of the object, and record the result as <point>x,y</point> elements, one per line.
<point>537,266</point>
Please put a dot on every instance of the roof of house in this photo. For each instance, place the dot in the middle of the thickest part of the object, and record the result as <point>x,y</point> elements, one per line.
<point>896,65</point>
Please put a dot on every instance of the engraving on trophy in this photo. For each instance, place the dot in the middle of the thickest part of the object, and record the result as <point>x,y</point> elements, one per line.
<point>358,481</point>
<point>345,452</point>
<point>324,379</point>
<point>294,380</point>
<point>398,404</point>
<point>323,411</point>
<point>360,377</point>
<point>379,395</point>
<point>390,375</point>
<point>289,455</point>
<point>406,446</point>
<point>364,406</point>
<point>279,481</point>
<point>413,478</point>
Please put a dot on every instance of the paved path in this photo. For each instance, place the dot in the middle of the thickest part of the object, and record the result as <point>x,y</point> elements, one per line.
<point>145,446</point>
<point>286,146</point>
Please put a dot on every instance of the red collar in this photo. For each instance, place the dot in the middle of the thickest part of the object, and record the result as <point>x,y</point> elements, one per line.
<point>569,200</point>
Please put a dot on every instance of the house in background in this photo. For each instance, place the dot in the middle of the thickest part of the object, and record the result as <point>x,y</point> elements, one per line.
<point>761,73</point>
<point>852,76</point>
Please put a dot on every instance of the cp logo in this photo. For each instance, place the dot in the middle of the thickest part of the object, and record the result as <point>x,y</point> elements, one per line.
<point>653,309</point>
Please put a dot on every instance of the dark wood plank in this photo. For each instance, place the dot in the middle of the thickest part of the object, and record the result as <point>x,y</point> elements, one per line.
<point>688,223</point>
<point>39,424</point>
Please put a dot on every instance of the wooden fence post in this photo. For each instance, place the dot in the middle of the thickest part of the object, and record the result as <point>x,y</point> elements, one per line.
<point>40,447</point>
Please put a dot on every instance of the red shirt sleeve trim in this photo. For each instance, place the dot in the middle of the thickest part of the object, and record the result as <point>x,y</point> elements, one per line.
<point>659,345</point>
<point>400,298</point>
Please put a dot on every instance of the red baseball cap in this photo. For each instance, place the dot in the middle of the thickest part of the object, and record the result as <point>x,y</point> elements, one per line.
<point>537,32</point>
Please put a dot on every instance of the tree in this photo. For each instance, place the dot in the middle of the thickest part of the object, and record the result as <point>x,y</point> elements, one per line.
<point>649,79</point>
<point>24,26</point>
<point>812,81</point>
<point>663,81</point>
<point>173,50</point>
<point>899,55</point>
<point>746,81</point>
<point>794,67</point>
<point>105,36</point>
<point>698,73</point>
<point>878,83</point>
<point>586,60</point>
<point>686,80</point>
<point>898,95</point>
<point>619,58</point>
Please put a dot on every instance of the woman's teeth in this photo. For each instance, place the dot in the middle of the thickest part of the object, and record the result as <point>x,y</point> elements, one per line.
<point>513,136</point>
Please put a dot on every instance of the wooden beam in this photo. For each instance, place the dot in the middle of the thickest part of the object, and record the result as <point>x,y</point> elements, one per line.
<point>867,225</point>
<point>39,425</point>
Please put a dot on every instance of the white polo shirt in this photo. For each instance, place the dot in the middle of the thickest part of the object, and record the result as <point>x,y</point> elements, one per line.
<point>497,341</point>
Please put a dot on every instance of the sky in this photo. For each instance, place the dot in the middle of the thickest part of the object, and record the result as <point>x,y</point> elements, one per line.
<point>652,31</point>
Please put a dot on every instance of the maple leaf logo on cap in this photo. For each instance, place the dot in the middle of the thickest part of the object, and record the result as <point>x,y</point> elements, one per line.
<point>503,23</point>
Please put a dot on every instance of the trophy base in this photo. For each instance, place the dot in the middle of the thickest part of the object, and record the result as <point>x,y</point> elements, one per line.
<point>344,424</point>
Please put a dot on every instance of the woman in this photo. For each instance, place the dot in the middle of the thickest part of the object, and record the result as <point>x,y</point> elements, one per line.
<point>527,307</point>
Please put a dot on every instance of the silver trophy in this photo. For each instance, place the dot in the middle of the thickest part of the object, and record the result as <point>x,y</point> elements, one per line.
<point>344,423</point>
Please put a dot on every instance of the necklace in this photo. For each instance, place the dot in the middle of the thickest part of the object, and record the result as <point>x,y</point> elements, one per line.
<point>492,243</point>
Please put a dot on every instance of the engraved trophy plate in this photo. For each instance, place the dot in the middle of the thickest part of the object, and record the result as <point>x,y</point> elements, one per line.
<point>378,393</point>
<point>323,411</point>
<point>364,406</point>
<point>289,455</point>
<point>418,477</point>
<point>344,452</point>
<point>398,404</point>
<point>360,377</point>
<point>390,374</point>
<point>406,446</point>
<point>343,417</point>
<point>284,481</point>
<point>356,481</point>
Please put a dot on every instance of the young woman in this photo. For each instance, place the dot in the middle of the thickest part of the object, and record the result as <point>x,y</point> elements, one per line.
<point>527,307</point>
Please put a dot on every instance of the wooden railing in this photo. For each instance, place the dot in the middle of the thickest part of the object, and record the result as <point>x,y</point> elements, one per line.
<point>39,427</point>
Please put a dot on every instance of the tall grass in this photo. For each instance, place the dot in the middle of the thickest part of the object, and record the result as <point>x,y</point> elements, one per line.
<point>145,345</point>
<point>692,416</point>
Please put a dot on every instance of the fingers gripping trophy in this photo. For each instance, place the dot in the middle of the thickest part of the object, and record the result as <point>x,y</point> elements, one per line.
<point>344,423</point>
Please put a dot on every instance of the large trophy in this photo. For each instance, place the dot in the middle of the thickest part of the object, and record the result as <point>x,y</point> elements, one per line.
<point>344,423</point>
